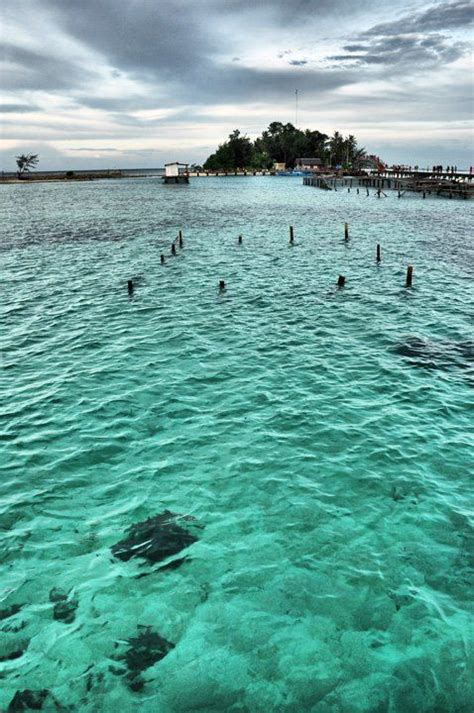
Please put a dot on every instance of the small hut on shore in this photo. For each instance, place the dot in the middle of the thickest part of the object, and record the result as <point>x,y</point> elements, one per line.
<point>176,172</point>
<point>313,165</point>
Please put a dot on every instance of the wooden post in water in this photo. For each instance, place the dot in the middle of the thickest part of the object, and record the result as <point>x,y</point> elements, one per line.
<point>368,194</point>
<point>357,191</point>
<point>292,237</point>
<point>130,287</point>
<point>378,252</point>
<point>399,194</point>
<point>173,249</point>
<point>341,281</point>
<point>409,276</point>
<point>162,259</point>
<point>180,239</point>
<point>346,231</point>
<point>240,240</point>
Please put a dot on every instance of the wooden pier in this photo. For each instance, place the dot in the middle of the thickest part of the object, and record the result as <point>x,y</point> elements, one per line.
<point>449,185</point>
<point>230,172</point>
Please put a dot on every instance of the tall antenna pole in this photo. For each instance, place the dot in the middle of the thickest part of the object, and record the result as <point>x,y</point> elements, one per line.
<point>296,108</point>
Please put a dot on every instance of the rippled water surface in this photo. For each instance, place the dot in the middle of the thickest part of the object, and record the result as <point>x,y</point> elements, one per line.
<point>319,437</point>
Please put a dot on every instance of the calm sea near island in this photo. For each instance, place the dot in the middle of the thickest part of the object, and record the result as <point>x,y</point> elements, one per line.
<point>320,437</point>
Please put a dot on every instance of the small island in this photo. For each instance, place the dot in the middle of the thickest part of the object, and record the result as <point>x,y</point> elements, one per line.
<point>279,147</point>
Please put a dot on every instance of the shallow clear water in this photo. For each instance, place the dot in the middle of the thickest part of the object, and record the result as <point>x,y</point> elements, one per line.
<point>320,437</point>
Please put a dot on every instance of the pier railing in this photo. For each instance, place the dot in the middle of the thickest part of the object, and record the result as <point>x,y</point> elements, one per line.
<point>426,183</point>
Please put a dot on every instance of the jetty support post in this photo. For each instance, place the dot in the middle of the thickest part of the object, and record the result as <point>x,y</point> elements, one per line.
<point>341,281</point>
<point>409,276</point>
<point>180,238</point>
<point>292,236</point>
<point>240,240</point>
<point>378,252</point>
<point>130,287</point>
<point>162,259</point>
<point>173,249</point>
<point>346,231</point>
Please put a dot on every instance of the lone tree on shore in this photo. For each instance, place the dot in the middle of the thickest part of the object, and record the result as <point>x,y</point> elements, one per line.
<point>25,162</point>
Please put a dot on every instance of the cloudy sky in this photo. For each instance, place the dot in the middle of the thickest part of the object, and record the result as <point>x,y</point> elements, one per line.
<point>105,83</point>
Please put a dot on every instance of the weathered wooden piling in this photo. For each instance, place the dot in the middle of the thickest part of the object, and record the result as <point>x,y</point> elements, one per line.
<point>368,194</point>
<point>240,240</point>
<point>221,285</point>
<point>292,236</point>
<point>378,253</point>
<point>409,276</point>
<point>130,287</point>
<point>341,281</point>
<point>173,249</point>
<point>346,231</point>
<point>162,259</point>
<point>180,239</point>
<point>357,191</point>
<point>399,194</point>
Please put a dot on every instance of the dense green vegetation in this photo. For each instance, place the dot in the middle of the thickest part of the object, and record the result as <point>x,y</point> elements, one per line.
<point>284,143</point>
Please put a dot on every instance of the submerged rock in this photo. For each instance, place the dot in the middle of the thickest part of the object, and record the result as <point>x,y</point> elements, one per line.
<point>9,611</point>
<point>65,611</point>
<point>57,595</point>
<point>64,608</point>
<point>143,651</point>
<point>33,701</point>
<point>28,700</point>
<point>16,652</point>
<point>156,539</point>
<point>436,355</point>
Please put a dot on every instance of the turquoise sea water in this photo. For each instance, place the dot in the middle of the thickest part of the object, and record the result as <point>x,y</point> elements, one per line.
<point>320,437</point>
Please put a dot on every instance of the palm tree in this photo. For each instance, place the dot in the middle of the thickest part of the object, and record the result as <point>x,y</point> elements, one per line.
<point>25,162</point>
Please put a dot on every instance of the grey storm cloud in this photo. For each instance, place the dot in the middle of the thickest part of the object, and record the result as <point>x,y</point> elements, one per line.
<point>413,40</point>
<point>210,83</point>
<point>414,50</point>
<point>17,108</point>
<point>446,16</point>
<point>174,48</point>
<point>27,69</point>
<point>298,62</point>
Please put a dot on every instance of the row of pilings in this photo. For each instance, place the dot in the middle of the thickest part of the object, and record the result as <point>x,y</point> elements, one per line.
<point>440,186</point>
<point>178,242</point>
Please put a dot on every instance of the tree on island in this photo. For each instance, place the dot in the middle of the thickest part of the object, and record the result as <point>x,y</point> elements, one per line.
<point>283,143</point>
<point>25,162</point>
<point>235,153</point>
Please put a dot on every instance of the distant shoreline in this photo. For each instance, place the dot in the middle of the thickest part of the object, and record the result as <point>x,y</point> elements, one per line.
<point>100,174</point>
<point>71,176</point>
